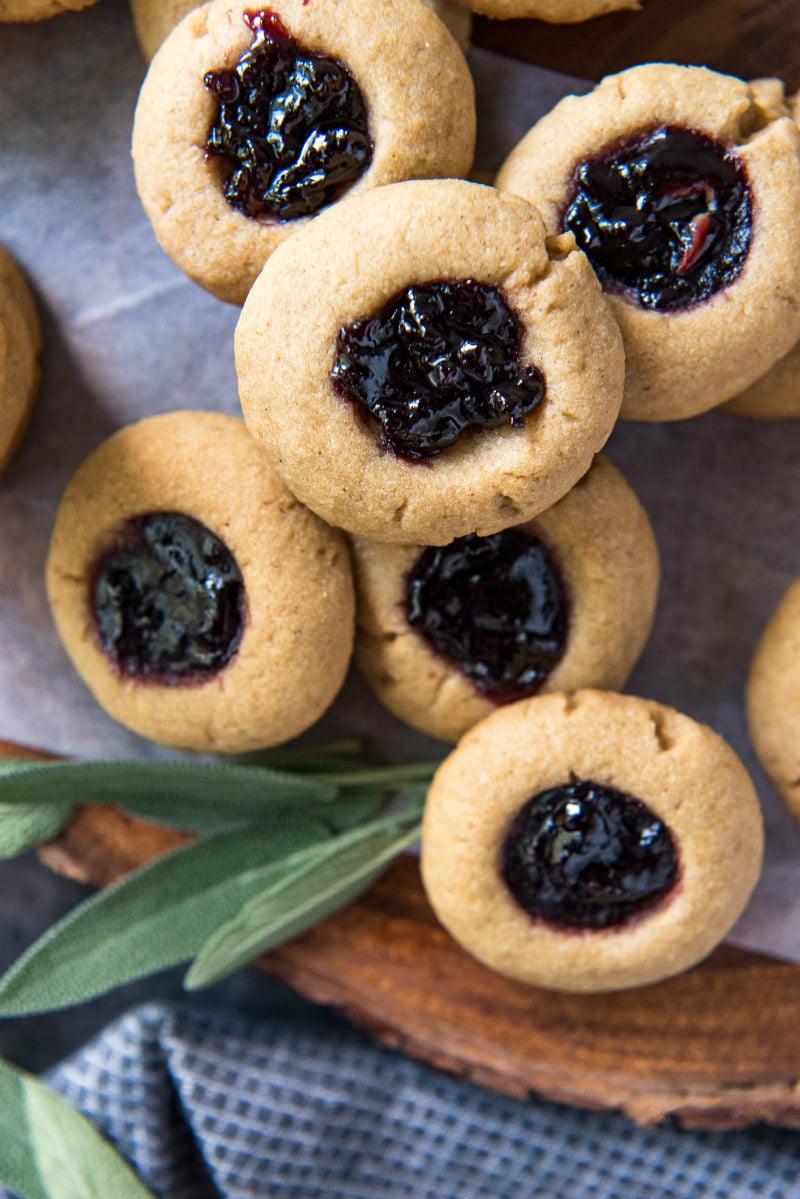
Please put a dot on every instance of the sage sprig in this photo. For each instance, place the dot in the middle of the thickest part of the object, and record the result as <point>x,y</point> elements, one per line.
<point>329,879</point>
<point>279,849</point>
<point>50,1151</point>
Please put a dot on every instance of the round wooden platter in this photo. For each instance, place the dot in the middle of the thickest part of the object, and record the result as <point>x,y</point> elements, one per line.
<point>717,1047</point>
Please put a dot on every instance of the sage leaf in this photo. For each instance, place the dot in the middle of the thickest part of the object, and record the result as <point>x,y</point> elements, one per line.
<point>307,759</point>
<point>50,1151</point>
<point>24,826</point>
<point>199,796</point>
<point>389,777</point>
<point>320,886</point>
<point>157,916</point>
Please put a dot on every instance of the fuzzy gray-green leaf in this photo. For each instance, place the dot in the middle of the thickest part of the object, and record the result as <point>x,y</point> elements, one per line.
<point>201,796</point>
<point>159,915</point>
<point>338,873</point>
<point>24,826</point>
<point>50,1151</point>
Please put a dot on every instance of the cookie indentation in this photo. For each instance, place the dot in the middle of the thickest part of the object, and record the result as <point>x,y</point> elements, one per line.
<point>168,600</point>
<point>292,126</point>
<point>584,855</point>
<point>495,606</point>
<point>436,360</point>
<point>664,219</point>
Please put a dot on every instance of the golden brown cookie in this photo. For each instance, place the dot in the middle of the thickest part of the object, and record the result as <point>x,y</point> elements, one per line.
<point>454,284</point>
<point>590,842</point>
<point>392,99</point>
<point>556,12</point>
<point>444,636</point>
<point>201,604</point>
<point>776,395</point>
<point>708,291</point>
<point>38,10</point>
<point>773,699</point>
<point>154,19</point>
<point>20,343</point>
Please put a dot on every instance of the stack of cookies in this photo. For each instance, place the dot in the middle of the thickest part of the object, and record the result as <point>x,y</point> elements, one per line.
<point>428,368</point>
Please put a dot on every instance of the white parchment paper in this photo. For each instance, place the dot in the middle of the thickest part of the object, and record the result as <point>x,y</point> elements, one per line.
<point>126,335</point>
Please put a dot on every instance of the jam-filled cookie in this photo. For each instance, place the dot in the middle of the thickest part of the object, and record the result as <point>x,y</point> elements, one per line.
<point>556,12</point>
<point>20,343</point>
<point>251,121</point>
<point>38,10</point>
<point>446,634</point>
<point>201,604</point>
<point>419,363</point>
<point>154,19</point>
<point>773,699</point>
<point>683,187</point>
<point>590,842</point>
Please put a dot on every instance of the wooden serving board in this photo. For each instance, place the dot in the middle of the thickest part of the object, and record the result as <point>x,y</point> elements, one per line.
<point>744,37</point>
<point>717,1047</point>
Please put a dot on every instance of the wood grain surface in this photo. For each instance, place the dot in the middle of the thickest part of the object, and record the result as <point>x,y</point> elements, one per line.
<point>744,37</point>
<point>717,1047</point>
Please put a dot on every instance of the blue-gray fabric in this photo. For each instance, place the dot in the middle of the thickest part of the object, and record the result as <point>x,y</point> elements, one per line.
<point>206,1106</point>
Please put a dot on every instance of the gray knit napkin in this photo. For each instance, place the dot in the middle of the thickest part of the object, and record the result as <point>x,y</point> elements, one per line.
<point>207,1106</point>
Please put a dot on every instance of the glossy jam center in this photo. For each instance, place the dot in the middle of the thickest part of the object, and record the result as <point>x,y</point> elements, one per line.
<point>665,220</point>
<point>291,126</point>
<point>168,600</point>
<point>436,360</point>
<point>495,606</point>
<point>584,855</point>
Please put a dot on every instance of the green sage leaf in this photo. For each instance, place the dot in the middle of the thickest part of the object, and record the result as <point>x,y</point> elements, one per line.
<point>199,796</point>
<point>156,917</point>
<point>389,777</point>
<point>308,759</point>
<point>50,1151</point>
<point>24,826</point>
<point>336,874</point>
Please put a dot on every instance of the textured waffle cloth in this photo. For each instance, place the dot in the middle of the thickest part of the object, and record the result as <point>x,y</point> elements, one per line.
<point>208,1106</point>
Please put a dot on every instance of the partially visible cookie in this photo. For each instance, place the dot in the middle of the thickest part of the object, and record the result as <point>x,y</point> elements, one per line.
<point>420,363</point>
<point>707,292</point>
<point>38,10</point>
<point>556,12</point>
<point>201,604</point>
<point>20,343</point>
<point>444,636</point>
<point>154,19</point>
<point>773,699</point>
<point>590,842</point>
<point>338,103</point>
<point>776,395</point>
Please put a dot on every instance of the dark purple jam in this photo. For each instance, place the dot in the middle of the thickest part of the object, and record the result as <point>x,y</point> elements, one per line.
<point>168,600</point>
<point>292,126</point>
<point>584,855</point>
<point>665,219</point>
<point>436,360</point>
<point>495,606</point>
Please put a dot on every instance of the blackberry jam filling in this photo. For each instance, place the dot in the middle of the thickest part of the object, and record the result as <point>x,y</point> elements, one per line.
<point>168,600</point>
<point>292,126</point>
<point>436,360</point>
<point>496,607</point>
<point>588,856</point>
<point>664,219</point>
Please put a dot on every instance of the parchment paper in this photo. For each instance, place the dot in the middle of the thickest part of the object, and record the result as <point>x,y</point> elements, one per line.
<point>127,335</point>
